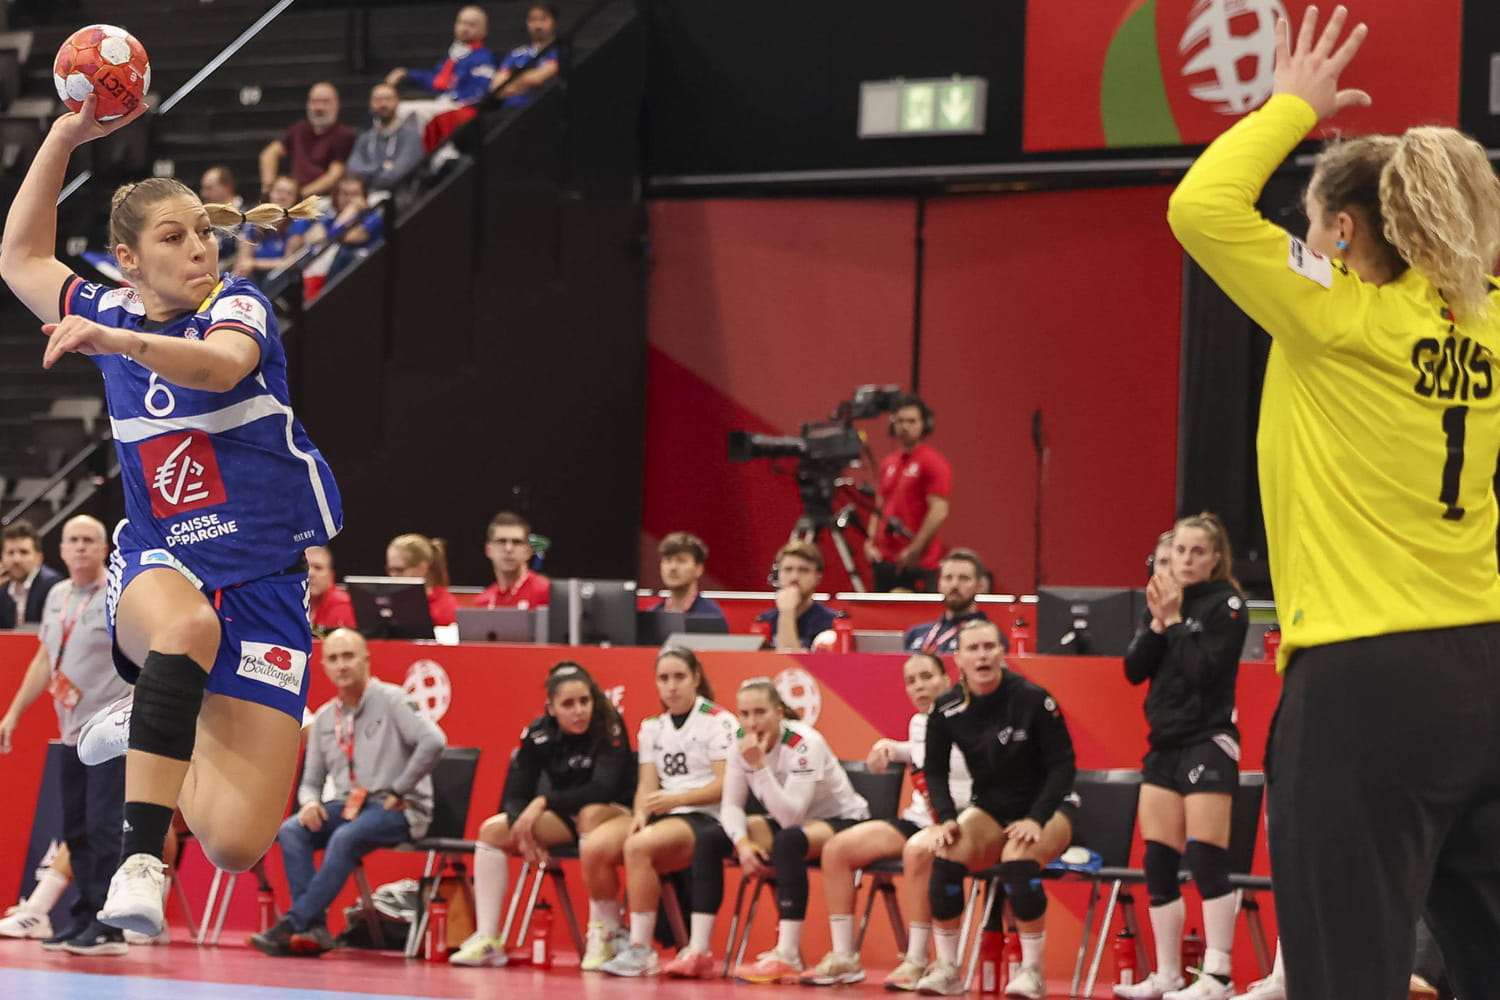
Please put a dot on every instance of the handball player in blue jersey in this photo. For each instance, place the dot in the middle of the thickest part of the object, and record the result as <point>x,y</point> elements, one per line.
<point>207,591</point>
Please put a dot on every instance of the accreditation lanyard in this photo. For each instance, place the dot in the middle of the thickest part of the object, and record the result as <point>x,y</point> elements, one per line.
<point>346,739</point>
<point>937,636</point>
<point>63,690</point>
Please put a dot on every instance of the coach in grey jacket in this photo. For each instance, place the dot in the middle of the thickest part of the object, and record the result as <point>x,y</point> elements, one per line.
<point>379,753</point>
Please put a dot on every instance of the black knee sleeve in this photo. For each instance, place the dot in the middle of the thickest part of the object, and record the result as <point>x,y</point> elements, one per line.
<point>710,848</point>
<point>1023,884</point>
<point>946,889</point>
<point>168,697</point>
<point>1162,867</point>
<point>789,860</point>
<point>1210,868</point>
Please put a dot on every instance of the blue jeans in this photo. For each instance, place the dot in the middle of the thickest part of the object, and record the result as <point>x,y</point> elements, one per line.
<point>343,842</point>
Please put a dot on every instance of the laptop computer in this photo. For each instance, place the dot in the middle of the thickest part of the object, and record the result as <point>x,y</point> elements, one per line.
<point>496,625</point>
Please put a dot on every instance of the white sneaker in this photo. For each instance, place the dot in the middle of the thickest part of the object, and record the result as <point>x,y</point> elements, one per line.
<point>1273,987</point>
<point>834,970</point>
<point>165,937</point>
<point>1205,987</point>
<point>942,979</point>
<point>479,951</point>
<point>134,900</point>
<point>1153,987</point>
<point>633,960</point>
<point>24,924</point>
<point>602,946</point>
<point>106,735</point>
<point>1028,982</point>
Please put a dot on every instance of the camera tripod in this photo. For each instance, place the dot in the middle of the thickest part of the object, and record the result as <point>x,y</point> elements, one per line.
<point>818,488</point>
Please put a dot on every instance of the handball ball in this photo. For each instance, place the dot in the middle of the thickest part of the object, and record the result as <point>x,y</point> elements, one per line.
<point>104,60</point>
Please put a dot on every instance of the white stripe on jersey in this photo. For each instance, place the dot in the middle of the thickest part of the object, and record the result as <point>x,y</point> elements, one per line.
<point>684,758</point>
<point>133,429</point>
<point>330,526</point>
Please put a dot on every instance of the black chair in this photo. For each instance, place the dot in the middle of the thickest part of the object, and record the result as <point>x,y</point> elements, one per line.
<point>883,793</point>
<point>452,788</point>
<point>1244,833</point>
<point>550,868</point>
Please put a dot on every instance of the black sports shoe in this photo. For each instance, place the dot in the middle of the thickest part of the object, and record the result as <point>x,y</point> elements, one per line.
<point>62,937</point>
<point>277,940</point>
<point>312,942</point>
<point>97,939</point>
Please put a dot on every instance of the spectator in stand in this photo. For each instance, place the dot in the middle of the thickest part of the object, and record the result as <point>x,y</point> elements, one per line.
<point>682,560</point>
<point>266,249</point>
<point>390,148</point>
<point>463,76</point>
<point>420,556</point>
<point>529,66</point>
<point>24,580</point>
<point>328,605</point>
<point>380,752</point>
<point>352,225</point>
<point>797,619</point>
<point>217,188</point>
<point>959,579</point>
<point>316,148</point>
<point>508,548</point>
<point>911,505</point>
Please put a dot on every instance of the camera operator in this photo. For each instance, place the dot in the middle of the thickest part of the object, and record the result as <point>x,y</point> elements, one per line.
<point>797,619</point>
<point>911,503</point>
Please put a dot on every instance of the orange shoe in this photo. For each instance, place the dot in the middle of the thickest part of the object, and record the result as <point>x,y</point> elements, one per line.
<point>770,967</point>
<point>1421,989</point>
<point>690,965</point>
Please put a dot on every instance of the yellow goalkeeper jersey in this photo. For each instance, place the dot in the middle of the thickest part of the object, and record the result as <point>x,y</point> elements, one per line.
<point>1379,417</point>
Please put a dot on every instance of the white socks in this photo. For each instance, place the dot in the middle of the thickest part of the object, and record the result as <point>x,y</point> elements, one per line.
<point>945,940</point>
<point>642,928</point>
<point>606,912</point>
<point>1278,971</point>
<point>917,938</point>
<point>701,932</point>
<point>491,872</point>
<point>789,938</point>
<point>841,932</point>
<point>1166,927</point>
<point>49,888</point>
<point>1218,933</point>
<point>1032,946</point>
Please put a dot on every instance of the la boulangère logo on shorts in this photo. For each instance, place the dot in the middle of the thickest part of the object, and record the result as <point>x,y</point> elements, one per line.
<point>271,664</point>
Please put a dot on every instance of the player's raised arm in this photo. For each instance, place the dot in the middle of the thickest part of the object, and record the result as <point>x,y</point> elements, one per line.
<point>28,253</point>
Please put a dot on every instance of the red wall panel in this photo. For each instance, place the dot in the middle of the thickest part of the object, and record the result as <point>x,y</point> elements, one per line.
<point>1067,302</point>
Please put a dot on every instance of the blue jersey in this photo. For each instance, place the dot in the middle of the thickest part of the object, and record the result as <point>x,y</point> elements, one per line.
<point>227,483</point>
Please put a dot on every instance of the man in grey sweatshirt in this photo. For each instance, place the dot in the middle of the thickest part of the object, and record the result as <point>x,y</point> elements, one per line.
<point>379,752</point>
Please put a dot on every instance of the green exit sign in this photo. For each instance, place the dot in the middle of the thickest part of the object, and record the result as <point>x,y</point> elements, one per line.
<point>948,106</point>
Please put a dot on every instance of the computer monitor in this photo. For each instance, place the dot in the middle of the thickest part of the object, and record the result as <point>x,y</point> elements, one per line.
<point>653,627</point>
<point>590,612</point>
<point>1087,621</point>
<point>390,607</point>
<point>496,625</point>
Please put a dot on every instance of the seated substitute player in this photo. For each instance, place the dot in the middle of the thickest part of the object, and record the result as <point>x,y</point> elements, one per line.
<point>960,576</point>
<point>582,747</point>
<point>852,849</point>
<point>682,753</point>
<point>1020,755</point>
<point>207,588</point>
<point>797,619</point>
<point>1190,652</point>
<point>789,767</point>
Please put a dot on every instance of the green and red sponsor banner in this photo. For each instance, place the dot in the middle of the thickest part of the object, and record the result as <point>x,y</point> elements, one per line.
<point>1140,73</point>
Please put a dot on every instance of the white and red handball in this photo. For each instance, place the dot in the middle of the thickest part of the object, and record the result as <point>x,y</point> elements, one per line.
<point>104,60</point>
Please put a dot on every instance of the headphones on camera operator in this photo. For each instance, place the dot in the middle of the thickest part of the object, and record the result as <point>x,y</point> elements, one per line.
<point>907,399</point>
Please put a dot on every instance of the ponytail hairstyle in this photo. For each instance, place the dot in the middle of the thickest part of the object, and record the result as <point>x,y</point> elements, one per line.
<point>1442,212</point>
<point>421,549</point>
<point>687,656</point>
<point>769,687</point>
<point>1218,535</point>
<point>1430,200</point>
<point>605,724</point>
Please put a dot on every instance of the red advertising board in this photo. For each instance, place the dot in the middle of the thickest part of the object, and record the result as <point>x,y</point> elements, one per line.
<point>1140,73</point>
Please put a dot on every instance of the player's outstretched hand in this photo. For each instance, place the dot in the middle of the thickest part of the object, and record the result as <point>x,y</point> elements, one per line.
<point>84,336</point>
<point>1311,70</point>
<point>79,127</point>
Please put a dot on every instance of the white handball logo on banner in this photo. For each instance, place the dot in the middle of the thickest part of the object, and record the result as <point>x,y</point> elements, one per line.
<point>429,689</point>
<point>1213,46</point>
<point>800,690</point>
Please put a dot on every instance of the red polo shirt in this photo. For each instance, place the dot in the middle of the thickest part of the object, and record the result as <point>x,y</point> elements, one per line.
<point>334,610</point>
<point>907,479</point>
<point>533,590</point>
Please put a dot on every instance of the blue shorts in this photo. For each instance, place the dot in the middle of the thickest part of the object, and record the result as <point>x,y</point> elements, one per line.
<point>265,642</point>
